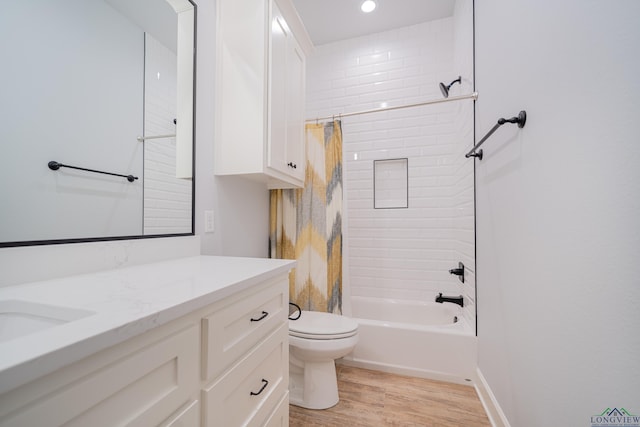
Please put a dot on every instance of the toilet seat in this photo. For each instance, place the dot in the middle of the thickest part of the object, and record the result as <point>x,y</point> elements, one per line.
<point>322,326</point>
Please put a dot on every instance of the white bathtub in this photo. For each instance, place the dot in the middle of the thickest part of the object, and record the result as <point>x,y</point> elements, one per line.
<point>413,338</point>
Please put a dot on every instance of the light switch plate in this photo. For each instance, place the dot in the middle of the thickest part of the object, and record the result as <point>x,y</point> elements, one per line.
<point>209,222</point>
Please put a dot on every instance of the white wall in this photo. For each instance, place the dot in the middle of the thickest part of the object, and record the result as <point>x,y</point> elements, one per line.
<point>558,207</point>
<point>397,253</point>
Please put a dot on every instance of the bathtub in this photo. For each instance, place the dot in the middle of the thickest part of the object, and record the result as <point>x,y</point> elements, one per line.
<point>421,339</point>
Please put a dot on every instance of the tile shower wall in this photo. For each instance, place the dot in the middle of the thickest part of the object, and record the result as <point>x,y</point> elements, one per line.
<point>397,253</point>
<point>463,184</point>
<point>167,199</point>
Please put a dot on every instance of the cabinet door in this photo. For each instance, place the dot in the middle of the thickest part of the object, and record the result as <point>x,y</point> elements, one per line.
<point>277,156</point>
<point>137,383</point>
<point>241,86</point>
<point>295,94</point>
<point>187,416</point>
<point>286,99</point>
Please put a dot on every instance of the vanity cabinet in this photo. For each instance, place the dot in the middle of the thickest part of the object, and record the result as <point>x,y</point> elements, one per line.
<point>223,365</point>
<point>260,96</point>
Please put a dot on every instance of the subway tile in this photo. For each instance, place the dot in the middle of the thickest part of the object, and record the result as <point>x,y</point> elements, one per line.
<point>400,253</point>
<point>372,59</point>
<point>342,82</point>
<point>391,65</point>
<point>374,77</point>
<point>356,71</point>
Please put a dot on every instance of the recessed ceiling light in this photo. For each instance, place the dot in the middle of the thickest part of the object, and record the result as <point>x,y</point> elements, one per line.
<point>368,6</point>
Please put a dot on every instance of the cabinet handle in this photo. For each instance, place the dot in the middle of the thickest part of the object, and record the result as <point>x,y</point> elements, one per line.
<point>265,383</point>
<point>292,165</point>
<point>264,314</point>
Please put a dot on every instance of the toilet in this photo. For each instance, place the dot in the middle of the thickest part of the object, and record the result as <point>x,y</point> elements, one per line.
<point>316,340</point>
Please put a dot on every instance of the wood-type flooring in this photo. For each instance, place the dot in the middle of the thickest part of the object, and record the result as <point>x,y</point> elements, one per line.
<point>372,399</point>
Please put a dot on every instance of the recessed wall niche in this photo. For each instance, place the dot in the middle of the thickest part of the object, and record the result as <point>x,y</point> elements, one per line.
<point>391,184</point>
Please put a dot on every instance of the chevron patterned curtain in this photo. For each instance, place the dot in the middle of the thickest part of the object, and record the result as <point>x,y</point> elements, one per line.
<point>306,224</point>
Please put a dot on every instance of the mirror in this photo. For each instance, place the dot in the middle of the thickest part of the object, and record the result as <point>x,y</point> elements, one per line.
<point>104,88</point>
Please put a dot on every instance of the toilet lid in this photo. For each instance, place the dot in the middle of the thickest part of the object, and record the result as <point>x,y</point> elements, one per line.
<point>317,325</point>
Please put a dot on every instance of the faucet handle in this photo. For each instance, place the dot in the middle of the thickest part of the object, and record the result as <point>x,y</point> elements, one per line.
<point>458,271</point>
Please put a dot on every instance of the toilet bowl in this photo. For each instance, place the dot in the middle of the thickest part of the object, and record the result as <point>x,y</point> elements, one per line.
<point>316,340</point>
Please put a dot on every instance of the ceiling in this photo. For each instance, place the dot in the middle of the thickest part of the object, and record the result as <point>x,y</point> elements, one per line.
<point>156,18</point>
<point>332,20</point>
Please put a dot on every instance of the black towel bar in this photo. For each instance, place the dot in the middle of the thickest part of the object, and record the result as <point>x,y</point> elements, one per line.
<point>520,119</point>
<point>54,166</point>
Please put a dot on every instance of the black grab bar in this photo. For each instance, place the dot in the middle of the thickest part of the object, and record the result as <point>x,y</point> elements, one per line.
<point>54,166</point>
<point>520,119</point>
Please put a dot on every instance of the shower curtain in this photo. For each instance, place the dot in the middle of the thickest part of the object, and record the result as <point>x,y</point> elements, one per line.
<point>306,224</point>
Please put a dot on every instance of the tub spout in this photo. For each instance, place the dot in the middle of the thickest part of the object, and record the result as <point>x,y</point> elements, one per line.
<point>456,300</point>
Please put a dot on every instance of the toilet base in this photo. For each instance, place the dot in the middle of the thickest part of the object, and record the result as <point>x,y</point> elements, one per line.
<point>313,385</point>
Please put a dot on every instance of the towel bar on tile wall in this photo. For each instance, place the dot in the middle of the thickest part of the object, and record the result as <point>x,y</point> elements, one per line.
<point>54,166</point>
<point>145,138</point>
<point>171,135</point>
<point>520,120</point>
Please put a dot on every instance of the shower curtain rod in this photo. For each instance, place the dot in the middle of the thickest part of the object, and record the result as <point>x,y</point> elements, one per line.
<point>473,96</point>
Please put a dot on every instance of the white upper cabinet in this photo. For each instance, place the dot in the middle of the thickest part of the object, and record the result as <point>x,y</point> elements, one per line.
<point>260,91</point>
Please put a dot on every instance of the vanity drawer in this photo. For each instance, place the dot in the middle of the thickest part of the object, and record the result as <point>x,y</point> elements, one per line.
<point>280,416</point>
<point>249,392</point>
<point>233,330</point>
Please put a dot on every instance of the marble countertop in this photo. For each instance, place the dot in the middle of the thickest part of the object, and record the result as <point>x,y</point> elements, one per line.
<point>123,303</point>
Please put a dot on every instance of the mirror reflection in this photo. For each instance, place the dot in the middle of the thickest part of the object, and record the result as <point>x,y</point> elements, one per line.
<point>103,86</point>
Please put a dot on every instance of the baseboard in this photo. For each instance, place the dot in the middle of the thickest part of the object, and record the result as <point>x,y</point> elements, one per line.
<point>401,370</point>
<point>489,401</point>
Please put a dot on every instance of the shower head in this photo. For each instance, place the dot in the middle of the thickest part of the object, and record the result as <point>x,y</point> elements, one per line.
<point>445,89</point>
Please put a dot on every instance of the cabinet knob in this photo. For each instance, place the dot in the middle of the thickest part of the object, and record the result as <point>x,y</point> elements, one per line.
<point>292,165</point>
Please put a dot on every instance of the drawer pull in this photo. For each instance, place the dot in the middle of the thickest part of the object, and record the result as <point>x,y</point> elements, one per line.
<point>264,314</point>
<point>265,383</point>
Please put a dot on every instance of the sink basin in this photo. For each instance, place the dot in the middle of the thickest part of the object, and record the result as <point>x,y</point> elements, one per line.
<point>20,318</point>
